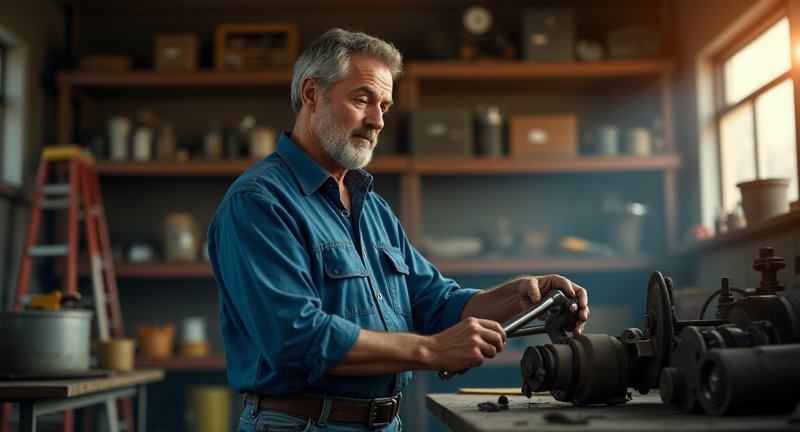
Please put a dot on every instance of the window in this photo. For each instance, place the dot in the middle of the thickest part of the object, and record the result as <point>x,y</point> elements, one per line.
<point>12,109</point>
<point>756,113</point>
<point>2,98</point>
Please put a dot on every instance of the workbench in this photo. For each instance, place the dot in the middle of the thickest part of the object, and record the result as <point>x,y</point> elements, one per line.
<point>543,413</point>
<point>38,397</point>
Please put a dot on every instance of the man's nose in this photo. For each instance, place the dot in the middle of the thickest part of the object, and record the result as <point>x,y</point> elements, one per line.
<point>374,118</point>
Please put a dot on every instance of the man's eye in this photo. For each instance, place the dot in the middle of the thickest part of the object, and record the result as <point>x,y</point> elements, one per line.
<point>362,101</point>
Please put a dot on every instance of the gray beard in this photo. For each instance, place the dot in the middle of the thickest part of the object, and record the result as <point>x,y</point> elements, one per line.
<point>346,154</point>
<point>336,142</point>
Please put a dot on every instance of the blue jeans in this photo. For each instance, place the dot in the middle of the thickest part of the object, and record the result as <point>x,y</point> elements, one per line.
<point>266,420</point>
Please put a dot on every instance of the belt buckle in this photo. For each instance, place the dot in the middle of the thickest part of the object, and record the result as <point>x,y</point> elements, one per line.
<point>380,403</point>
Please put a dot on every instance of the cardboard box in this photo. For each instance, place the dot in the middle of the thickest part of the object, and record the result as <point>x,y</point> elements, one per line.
<point>176,52</point>
<point>543,136</point>
<point>548,34</point>
<point>441,132</point>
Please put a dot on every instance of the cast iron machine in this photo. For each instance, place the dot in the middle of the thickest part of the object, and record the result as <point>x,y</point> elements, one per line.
<point>745,360</point>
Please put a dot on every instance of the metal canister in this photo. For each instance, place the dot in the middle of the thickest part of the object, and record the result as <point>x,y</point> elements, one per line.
<point>490,131</point>
<point>180,238</point>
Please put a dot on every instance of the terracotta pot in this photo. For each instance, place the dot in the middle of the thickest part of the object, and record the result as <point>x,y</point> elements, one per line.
<point>156,341</point>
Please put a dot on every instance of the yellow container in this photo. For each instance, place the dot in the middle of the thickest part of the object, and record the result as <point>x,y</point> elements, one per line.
<point>208,409</point>
<point>116,354</point>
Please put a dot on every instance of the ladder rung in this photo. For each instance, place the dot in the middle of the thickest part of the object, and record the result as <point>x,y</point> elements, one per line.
<point>54,204</point>
<point>49,250</point>
<point>56,189</point>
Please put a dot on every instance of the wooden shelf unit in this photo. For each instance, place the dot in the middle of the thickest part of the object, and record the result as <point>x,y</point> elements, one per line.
<point>468,266</point>
<point>420,77</point>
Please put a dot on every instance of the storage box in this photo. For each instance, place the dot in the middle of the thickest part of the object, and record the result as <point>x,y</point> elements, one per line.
<point>176,52</point>
<point>548,34</point>
<point>543,136</point>
<point>254,46</point>
<point>441,132</point>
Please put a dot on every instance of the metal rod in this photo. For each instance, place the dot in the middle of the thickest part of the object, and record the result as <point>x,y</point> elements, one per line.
<point>552,298</point>
<point>517,322</point>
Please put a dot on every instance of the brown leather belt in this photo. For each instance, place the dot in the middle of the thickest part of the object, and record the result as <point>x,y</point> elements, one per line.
<point>375,413</point>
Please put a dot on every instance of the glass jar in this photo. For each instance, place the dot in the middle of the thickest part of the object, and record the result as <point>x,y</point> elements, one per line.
<point>180,238</point>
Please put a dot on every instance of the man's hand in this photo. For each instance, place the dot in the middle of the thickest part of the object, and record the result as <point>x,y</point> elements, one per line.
<point>531,289</point>
<point>466,344</point>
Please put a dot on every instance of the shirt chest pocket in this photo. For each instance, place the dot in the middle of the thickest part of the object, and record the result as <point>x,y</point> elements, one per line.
<point>345,291</point>
<point>395,271</point>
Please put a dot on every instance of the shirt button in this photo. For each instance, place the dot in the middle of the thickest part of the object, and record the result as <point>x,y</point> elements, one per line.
<point>336,271</point>
<point>364,254</point>
<point>380,296</point>
<point>346,213</point>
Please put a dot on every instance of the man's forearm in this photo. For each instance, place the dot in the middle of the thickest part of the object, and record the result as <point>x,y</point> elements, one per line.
<point>380,353</point>
<point>499,303</point>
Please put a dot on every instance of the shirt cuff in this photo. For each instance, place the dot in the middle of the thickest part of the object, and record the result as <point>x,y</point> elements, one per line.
<point>455,305</point>
<point>330,346</point>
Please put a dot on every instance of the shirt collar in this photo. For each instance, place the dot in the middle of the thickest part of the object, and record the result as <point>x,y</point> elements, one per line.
<point>308,172</point>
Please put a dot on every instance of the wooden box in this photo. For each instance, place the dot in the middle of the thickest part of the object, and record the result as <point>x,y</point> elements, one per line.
<point>543,136</point>
<point>176,52</point>
<point>255,46</point>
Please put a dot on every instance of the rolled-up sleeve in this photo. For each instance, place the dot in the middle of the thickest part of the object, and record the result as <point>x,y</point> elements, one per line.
<point>263,269</point>
<point>436,301</point>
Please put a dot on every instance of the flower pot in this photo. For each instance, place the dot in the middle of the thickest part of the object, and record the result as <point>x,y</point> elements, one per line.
<point>763,199</point>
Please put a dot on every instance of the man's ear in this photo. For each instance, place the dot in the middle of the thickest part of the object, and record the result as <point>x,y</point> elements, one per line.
<point>309,91</point>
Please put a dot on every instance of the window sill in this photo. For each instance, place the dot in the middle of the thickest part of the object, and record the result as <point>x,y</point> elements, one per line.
<point>771,226</point>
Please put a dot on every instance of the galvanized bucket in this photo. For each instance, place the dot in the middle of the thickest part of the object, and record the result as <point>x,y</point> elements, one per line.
<point>45,341</point>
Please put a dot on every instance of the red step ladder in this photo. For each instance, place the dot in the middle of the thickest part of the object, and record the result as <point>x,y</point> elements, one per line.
<point>81,197</point>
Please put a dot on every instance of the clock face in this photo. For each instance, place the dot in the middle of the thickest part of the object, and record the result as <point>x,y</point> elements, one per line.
<point>477,20</point>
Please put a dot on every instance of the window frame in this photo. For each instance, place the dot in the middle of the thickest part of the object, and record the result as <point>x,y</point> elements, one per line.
<point>6,190</point>
<point>721,108</point>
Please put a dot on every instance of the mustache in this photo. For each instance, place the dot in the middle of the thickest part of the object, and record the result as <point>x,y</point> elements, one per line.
<point>370,134</point>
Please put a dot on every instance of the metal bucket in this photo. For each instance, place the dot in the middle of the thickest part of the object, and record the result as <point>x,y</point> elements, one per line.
<point>45,341</point>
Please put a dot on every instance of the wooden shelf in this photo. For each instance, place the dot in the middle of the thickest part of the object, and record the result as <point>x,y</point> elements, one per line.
<point>515,70</point>
<point>225,168</point>
<point>581,164</point>
<point>514,76</point>
<point>161,270</point>
<point>403,164</point>
<point>213,362</point>
<point>440,72</point>
<point>461,266</point>
<point>150,79</point>
<point>538,265</point>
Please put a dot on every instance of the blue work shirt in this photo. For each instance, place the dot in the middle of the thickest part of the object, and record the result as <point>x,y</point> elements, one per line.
<point>299,276</point>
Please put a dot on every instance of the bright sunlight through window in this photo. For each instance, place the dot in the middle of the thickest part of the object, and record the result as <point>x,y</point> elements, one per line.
<point>757,123</point>
<point>758,63</point>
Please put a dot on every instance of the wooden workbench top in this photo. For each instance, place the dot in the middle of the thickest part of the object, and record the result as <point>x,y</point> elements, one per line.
<point>543,413</point>
<point>65,388</point>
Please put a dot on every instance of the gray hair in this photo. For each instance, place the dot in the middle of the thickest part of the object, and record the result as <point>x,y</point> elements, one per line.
<point>327,59</point>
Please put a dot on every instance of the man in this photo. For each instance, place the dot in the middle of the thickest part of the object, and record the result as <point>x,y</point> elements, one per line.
<point>325,306</point>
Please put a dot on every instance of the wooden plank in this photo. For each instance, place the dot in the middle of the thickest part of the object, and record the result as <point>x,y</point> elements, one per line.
<point>66,388</point>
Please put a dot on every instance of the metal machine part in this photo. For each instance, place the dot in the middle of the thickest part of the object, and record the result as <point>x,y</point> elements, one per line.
<point>761,379</point>
<point>555,304</point>
<point>599,369</point>
<point>711,365</point>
